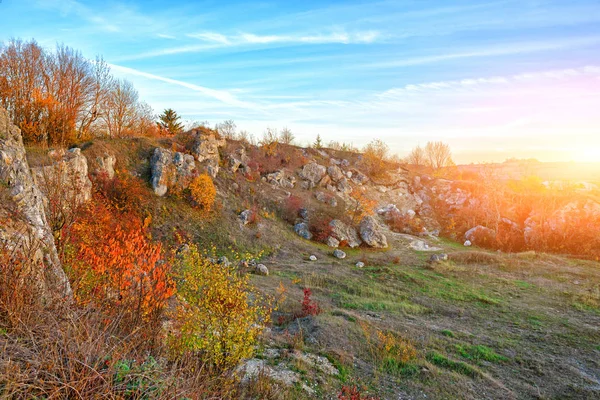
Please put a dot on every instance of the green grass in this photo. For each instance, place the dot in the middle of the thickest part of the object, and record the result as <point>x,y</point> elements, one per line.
<point>448,333</point>
<point>523,284</point>
<point>396,368</point>
<point>457,366</point>
<point>479,353</point>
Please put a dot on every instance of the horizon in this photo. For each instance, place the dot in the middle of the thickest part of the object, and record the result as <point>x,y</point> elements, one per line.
<point>495,80</point>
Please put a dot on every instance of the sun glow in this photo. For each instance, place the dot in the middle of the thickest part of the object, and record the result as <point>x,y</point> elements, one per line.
<point>591,154</point>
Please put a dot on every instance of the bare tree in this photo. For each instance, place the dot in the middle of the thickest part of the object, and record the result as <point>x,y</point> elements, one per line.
<point>119,112</point>
<point>417,157</point>
<point>100,89</point>
<point>286,136</point>
<point>226,129</point>
<point>438,155</point>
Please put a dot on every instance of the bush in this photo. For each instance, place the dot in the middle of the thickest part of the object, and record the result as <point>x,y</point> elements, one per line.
<point>320,228</point>
<point>291,208</point>
<point>309,306</point>
<point>218,316</point>
<point>203,192</point>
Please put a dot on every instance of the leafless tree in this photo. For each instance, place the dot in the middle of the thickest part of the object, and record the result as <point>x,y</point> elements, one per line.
<point>417,157</point>
<point>438,155</point>
<point>226,129</point>
<point>119,111</point>
<point>286,136</point>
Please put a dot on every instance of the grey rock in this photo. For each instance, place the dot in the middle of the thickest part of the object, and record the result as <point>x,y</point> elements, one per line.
<point>360,264</point>
<point>313,173</point>
<point>335,173</point>
<point>302,230</point>
<point>337,253</point>
<point>343,232</point>
<point>332,242</point>
<point>312,258</point>
<point>261,269</point>
<point>371,233</point>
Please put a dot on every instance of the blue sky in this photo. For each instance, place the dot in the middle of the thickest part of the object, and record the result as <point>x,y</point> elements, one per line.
<point>494,79</point>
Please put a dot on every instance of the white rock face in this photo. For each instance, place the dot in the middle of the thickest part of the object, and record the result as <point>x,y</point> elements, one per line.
<point>171,169</point>
<point>206,151</point>
<point>19,194</point>
<point>371,233</point>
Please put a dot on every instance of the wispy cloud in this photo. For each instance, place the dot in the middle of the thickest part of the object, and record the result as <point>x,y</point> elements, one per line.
<point>215,40</point>
<point>494,80</point>
<point>221,95</point>
<point>492,51</point>
<point>165,36</point>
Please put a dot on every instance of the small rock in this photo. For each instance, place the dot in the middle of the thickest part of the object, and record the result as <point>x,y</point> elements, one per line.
<point>261,269</point>
<point>312,258</point>
<point>224,261</point>
<point>339,254</point>
<point>245,217</point>
<point>467,243</point>
<point>360,264</point>
<point>302,230</point>
<point>332,242</point>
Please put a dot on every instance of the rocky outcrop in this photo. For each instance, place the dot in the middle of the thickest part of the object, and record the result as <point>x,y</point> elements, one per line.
<point>280,178</point>
<point>65,179</point>
<point>335,173</point>
<point>206,151</point>
<point>344,233</point>
<point>171,170</point>
<point>371,233</point>
<point>23,225</point>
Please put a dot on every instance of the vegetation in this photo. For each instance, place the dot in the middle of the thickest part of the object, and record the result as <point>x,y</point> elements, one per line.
<point>203,192</point>
<point>169,121</point>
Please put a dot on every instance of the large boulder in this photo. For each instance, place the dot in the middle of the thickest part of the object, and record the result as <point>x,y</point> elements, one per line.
<point>171,170</point>
<point>206,151</point>
<point>344,233</point>
<point>371,233</point>
<point>280,178</point>
<point>481,236</point>
<point>313,173</point>
<point>24,228</point>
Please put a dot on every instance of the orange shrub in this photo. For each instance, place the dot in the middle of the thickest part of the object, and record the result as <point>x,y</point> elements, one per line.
<point>203,192</point>
<point>113,264</point>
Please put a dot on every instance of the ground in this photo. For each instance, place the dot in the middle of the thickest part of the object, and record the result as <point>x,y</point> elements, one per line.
<point>484,324</point>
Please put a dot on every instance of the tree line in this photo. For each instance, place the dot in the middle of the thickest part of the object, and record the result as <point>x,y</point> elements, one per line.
<point>57,97</point>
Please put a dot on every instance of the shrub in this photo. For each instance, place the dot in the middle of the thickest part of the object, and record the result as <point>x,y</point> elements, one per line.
<point>291,208</point>
<point>320,228</point>
<point>113,264</point>
<point>218,316</point>
<point>354,393</point>
<point>203,192</point>
<point>309,306</point>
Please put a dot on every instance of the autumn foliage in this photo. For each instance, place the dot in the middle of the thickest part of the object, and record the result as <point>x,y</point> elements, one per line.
<point>203,192</point>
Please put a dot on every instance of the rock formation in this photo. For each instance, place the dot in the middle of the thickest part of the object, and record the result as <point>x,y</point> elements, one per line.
<point>24,228</point>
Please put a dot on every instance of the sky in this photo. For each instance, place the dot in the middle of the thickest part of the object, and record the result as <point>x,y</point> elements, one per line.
<point>493,79</point>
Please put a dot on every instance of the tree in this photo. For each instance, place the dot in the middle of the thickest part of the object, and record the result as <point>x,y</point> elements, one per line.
<point>438,155</point>
<point>120,108</point>
<point>417,157</point>
<point>169,120</point>
<point>286,136</point>
<point>226,129</point>
<point>318,143</point>
<point>375,157</point>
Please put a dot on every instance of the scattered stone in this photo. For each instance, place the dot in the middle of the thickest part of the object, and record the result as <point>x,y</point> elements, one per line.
<point>344,186</point>
<point>224,261</point>
<point>467,243</point>
<point>337,253</point>
<point>312,258</point>
<point>359,178</point>
<point>438,258</point>
<point>335,173</point>
<point>302,230</point>
<point>360,264</point>
<point>371,233</point>
<point>261,269</point>
<point>245,217</point>
<point>420,245</point>
<point>303,213</point>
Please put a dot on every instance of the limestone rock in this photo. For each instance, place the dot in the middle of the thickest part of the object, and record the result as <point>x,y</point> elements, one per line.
<point>29,232</point>
<point>335,173</point>
<point>332,242</point>
<point>302,230</point>
<point>312,258</point>
<point>104,166</point>
<point>360,264</point>
<point>337,253</point>
<point>261,269</point>
<point>206,151</point>
<point>343,232</point>
<point>371,233</point>
<point>171,169</point>
<point>313,173</point>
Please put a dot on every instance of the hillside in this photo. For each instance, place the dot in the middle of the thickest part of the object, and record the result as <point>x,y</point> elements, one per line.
<point>377,302</point>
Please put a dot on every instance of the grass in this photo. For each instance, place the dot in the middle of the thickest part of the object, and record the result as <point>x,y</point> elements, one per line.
<point>457,366</point>
<point>448,333</point>
<point>479,353</point>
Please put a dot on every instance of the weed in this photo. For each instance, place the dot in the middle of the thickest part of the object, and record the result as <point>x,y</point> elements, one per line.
<point>478,353</point>
<point>448,333</point>
<point>456,366</point>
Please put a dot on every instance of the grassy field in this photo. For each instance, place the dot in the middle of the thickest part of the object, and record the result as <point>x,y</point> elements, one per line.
<point>482,325</point>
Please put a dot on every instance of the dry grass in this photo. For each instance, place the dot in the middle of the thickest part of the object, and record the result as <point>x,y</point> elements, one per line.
<point>475,257</point>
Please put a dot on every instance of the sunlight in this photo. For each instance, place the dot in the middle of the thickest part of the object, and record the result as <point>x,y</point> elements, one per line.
<point>591,154</point>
